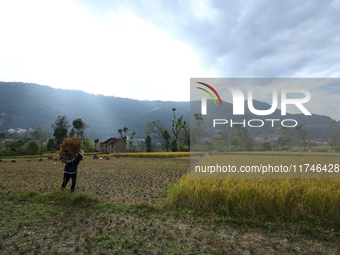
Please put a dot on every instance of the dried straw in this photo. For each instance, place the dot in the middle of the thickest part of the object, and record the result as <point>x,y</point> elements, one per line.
<point>69,149</point>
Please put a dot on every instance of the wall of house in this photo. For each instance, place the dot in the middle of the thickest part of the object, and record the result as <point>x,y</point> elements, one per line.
<point>118,147</point>
<point>104,148</point>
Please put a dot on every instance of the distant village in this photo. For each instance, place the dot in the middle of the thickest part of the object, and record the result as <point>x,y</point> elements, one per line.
<point>18,130</point>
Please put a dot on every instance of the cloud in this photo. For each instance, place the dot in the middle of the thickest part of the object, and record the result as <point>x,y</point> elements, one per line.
<point>251,38</point>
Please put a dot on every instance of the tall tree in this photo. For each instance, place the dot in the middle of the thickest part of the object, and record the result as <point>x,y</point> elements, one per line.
<point>303,134</point>
<point>50,144</point>
<point>334,138</point>
<point>240,138</point>
<point>40,132</point>
<point>197,129</point>
<point>265,144</point>
<point>158,128</point>
<point>60,126</point>
<point>96,141</point>
<point>131,145</point>
<point>286,138</point>
<point>79,127</point>
<point>224,135</point>
<point>166,143</point>
<point>148,143</point>
<point>123,133</point>
<point>125,129</point>
<point>177,126</point>
<point>184,138</point>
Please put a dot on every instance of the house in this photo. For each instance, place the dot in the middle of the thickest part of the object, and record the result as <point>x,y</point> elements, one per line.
<point>21,130</point>
<point>113,145</point>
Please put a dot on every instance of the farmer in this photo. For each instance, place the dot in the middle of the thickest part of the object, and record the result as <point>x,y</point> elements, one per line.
<point>95,156</point>
<point>70,171</point>
<point>201,154</point>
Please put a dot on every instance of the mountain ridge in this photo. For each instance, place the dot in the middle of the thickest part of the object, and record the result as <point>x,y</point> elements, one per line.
<point>28,105</point>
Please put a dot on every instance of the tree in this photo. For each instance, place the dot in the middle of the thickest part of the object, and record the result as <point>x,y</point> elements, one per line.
<point>224,135</point>
<point>87,144</point>
<point>240,138</point>
<point>72,133</point>
<point>60,126</point>
<point>303,134</point>
<point>132,148</point>
<point>2,136</point>
<point>19,143</point>
<point>165,141</point>
<point>197,129</point>
<point>265,144</point>
<point>123,133</point>
<point>96,141</point>
<point>286,138</point>
<point>39,132</point>
<point>125,129</point>
<point>32,147</point>
<point>50,144</point>
<point>158,128</point>
<point>184,138</point>
<point>334,138</point>
<point>148,143</point>
<point>177,126</point>
<point>140,145</point>
<point>78,129</point>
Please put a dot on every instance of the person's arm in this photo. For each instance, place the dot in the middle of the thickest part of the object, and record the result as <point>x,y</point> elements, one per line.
<point>80,157</point>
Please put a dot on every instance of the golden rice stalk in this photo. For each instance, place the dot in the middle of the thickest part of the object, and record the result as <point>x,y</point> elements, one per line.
<point>69,149</point>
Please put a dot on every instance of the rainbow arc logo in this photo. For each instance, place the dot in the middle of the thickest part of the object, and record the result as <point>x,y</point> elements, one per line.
<point>212,89</point>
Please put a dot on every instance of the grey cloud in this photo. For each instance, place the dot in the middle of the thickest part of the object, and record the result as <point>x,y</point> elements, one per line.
<point>251,38</point>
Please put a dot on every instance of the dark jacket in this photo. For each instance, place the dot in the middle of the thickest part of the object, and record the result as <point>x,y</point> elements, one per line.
<point>71,167</point>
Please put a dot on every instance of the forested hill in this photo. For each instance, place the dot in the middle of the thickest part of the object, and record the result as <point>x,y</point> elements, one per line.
<point>28,105</point>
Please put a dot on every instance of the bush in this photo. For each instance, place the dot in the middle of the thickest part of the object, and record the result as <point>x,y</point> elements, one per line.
<point>32,147</point>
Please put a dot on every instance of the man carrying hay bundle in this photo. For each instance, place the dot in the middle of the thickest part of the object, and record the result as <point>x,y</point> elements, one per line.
<point>71,154</point>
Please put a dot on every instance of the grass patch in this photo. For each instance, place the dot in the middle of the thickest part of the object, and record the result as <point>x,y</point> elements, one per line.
<point>57,196</point>
<point>30,195</point>
<point>64,197</point>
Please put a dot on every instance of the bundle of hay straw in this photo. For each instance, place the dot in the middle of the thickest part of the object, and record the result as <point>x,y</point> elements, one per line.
<point>70,149</point>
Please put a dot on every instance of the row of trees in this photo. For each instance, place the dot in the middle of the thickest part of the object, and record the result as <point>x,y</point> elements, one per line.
<point>238,138</point>
<point>178,139</point>
<point>61,127</point>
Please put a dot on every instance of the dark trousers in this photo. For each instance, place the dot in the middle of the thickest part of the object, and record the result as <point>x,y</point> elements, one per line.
<point>67,178</point>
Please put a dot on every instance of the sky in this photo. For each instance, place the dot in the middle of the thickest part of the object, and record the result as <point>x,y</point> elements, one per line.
<point>149,50</point>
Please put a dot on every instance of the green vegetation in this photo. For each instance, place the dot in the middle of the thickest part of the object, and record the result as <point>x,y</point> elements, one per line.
<point>60,127</point>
